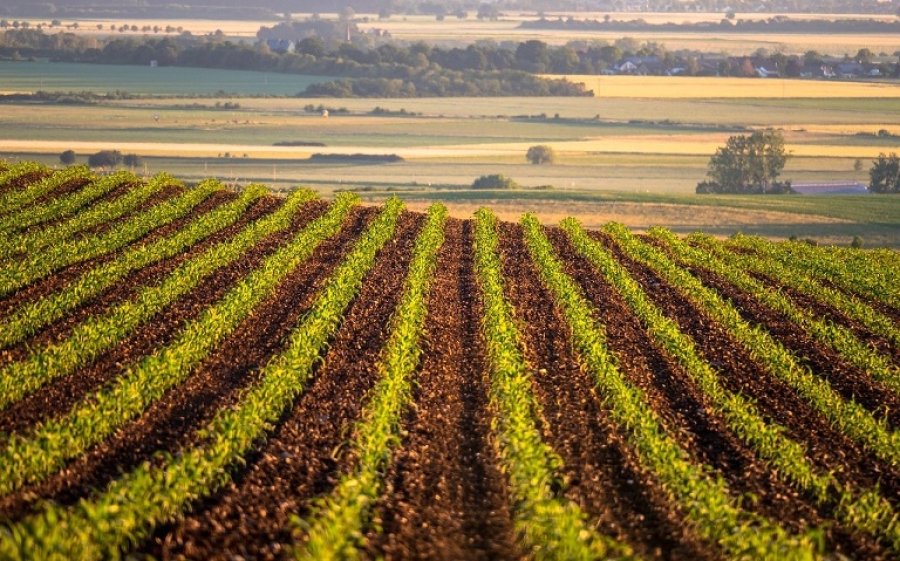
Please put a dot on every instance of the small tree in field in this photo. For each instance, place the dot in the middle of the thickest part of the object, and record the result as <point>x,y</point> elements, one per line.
<point>67,158</point>
<point>884,177</point>
<point>540,154</point>
<point>495,181</point>
<point>132,160</point>
<point>748,164</point>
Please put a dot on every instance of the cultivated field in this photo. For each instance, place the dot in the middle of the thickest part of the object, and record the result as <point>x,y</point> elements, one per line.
<point>204,373</point>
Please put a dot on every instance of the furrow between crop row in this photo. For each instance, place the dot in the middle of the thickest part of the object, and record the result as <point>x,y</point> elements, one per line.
<point>707,501</point>
<point>64,206</point>
<point>865,511</point>
<point>552,527</point>
<point>32,316</point>
<point>13,199</point>
<point>32,457</point>
<point>339,520</point>
<point>100,213</point>
<point>838,337</point>
<point>19,273</point>
<point>849,417</point>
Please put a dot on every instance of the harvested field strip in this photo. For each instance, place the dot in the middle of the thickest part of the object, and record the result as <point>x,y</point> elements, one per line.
<point>849,417</point>
<point>15,196</point>
<point>18,273</point>
<point>446,498</point>
<point>101,213</point>
<point>848,305</point>
<point>707,502</point>
<point>130,507</point>
<point>96,334</point>
<point>837,337</point>
<point>29,318</point>
<point>64,206</point>
<point>865,511</point>
<point>340,519</point>
<point>550,526</point>
<point>863,277</point>
<point>32,457</point>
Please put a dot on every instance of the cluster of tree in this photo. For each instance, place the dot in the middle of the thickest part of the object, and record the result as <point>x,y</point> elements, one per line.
<point>104,159</point>
<point>494,181</point>
<point>748,164</point>
<point>777,24</point>
<point>884,177</point>
<point>448,83</point>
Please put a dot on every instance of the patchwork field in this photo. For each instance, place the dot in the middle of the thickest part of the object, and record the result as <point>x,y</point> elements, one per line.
<point>211,373</point>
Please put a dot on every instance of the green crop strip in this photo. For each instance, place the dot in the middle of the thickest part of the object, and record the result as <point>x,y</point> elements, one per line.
<point>31,457</point>
<point>28,318</point>
<point>550,526</point>
<point>867,512</point>
<point>95,335</point>
<point>827,333</point>
<point>338,521</point>
<point>705,500</point>
<point>65,205</point>
<point>101,213</point>
<point>130,507</point>
<point>847,416</point>
<point>857,274</point>
<point>848,305</point>
<point>16,198</point>
<point>18,273</point>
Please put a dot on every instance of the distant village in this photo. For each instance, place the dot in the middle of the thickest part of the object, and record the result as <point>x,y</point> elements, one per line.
<point>752,66</point>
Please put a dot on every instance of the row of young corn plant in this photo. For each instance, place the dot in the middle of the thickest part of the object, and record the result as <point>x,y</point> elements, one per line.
<point>847,304</point>
<point>865,511</point>
<point>32,456</point>
<point>550,526</point>
<point>31,316</point>
<point>15,274</point>
<point>339,520</point>
<point>98,214</point>
<point>858,276</point>
<point>65,205</point>
<point>847,416</point>
<point>11,199</point>
<point>839,338</point>
<point>715,514</point>
<point>96,334</point>
<point>100,527</point>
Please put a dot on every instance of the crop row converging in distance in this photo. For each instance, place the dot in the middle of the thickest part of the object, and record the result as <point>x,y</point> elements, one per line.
<point>203,373</point>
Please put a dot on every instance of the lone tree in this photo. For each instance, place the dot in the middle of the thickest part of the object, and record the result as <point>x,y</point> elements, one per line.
<point>884,177</point>
<point>540,154</point>
<point>67,158</point>
<point>748,164</point>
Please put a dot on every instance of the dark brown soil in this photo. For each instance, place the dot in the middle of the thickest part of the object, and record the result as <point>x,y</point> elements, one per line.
<point>60,278</point>
<point>446,497</point>
<point>60,395</point>
<point>164,194</point>
<point>603,473</point>
<point>307,452</point>
<point>740,373</point>
<point>705,435</point>
<point>133,282</point>
<point>170,422</point>
<point>847,380</point>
